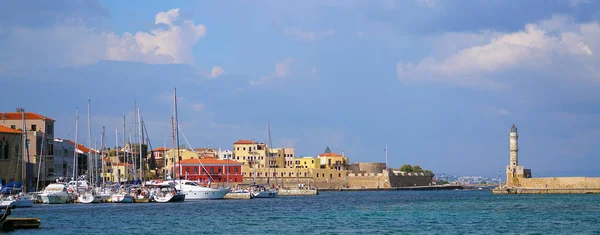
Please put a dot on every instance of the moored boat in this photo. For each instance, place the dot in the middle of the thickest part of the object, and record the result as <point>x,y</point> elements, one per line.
<point>168,193</point>
<point>194,191</point>
<point>56,194</point>
<point>260,191</point>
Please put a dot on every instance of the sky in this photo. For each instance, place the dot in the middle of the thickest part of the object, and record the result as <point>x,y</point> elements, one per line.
<point>438,82</point>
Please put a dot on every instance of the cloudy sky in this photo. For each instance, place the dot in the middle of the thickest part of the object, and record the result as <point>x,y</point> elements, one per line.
<point>438,81</point>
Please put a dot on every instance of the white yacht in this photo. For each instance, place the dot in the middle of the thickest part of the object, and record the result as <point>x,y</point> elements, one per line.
<point>194,191</point>
<point>168,193</point>
<point>56,193</point>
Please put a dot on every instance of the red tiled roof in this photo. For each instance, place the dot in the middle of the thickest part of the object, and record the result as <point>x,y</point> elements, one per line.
<point>245,142</point>
<point>81,147</point>
<point>330,155</point>
<point>160,149</point>
<point>208,161</point>
<point>18,116</point>
<point>4,129</point>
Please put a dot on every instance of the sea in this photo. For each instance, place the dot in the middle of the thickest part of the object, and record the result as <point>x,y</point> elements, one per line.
<point>364,212</point>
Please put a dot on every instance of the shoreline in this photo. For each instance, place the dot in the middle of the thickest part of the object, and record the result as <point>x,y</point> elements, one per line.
<point>415,188</point>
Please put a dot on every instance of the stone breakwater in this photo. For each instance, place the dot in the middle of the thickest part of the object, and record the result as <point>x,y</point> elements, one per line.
<point>546,191</point>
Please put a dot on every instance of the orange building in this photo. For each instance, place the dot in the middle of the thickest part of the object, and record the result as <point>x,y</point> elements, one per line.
<point>209,169</point>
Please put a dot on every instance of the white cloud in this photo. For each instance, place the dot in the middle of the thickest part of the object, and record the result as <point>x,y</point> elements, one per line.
<point>171,45</point>
<point>217,71</point>
<point>302,35</point>
<point>282,70</point>
<point>198,107</point>
<point>534,47</point>
<point>68,45</point>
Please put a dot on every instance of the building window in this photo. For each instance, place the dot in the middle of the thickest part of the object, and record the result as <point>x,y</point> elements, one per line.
<point>50,129</point>
<point>2,156</point>
<point>195,171</point>
<point>235,170</point>
<point>13,127</point>
<point>244,148</point>
<point>33,127</point>
<point>212,170</point>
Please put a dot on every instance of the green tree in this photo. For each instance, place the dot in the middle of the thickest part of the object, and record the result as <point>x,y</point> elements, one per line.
<point>430,172</point>
<point>441,182</point>
<point>406,168</point>
<point>417,169</point>
<point>327,150</point>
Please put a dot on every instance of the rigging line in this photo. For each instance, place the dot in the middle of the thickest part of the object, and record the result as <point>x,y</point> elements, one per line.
<point>192,149</point>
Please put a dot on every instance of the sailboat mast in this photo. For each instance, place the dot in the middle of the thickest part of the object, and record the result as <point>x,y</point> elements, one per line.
<point>125,155</point>
<point>102,146</point>
<point>140,142</point>
<point>131,140</point>
<point>177,135</point>
<point>75,158</point>
<point>24,140</point>
<point>89,157</point>
<point>173,147</point>
<point>117,155</point>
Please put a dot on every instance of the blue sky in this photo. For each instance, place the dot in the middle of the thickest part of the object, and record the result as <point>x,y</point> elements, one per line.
<point>439,82</point>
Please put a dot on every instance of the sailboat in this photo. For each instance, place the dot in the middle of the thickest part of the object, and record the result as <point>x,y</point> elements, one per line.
<point>89,195</point>
<point>18,195</point>
<point>167,192</point>
<point>122,196</point>
<point>263,191</point>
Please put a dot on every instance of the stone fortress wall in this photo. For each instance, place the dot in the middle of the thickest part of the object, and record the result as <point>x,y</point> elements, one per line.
<point>558,182</point>
<point>368,176</point>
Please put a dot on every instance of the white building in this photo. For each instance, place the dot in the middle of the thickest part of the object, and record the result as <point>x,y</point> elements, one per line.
<point>225,154</point>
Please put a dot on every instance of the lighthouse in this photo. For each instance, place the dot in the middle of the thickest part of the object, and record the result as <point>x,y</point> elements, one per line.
<point>514,146</point>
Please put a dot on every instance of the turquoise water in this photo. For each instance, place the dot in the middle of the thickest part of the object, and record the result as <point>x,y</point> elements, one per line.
<point>375,212</point>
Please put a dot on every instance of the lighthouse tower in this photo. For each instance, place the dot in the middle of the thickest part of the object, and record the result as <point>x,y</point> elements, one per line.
<point>514,172</point>
<point>514,146</point>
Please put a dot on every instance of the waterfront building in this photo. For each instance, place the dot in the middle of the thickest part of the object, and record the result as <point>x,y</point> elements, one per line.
<point>307,162</point>
<point>209,169</point>
<point>171,158</point>
<point>206,152</point>
<point>225,154</point>
<point>40,135</point>
<point>250,153</point>
<point>118,172</point>
<point>10,154</point>
<point>63,158</point>
<point>333,160</point>
<point>159,160</point>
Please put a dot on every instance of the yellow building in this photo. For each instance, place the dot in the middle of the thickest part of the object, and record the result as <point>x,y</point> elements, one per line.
<point>307,162</point>
<point>117,172</point>
<point>333,161</point>
<point>250,153</point>
<point>171,157</point>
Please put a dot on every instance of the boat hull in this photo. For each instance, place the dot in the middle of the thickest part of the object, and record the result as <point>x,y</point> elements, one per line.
<point>170,198</point>
<point>88,198</point>
<point>19,203</point>
<point>265,194</point>
<point>122,198</point>
<point>55,198</point>
<point>205,194</point>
